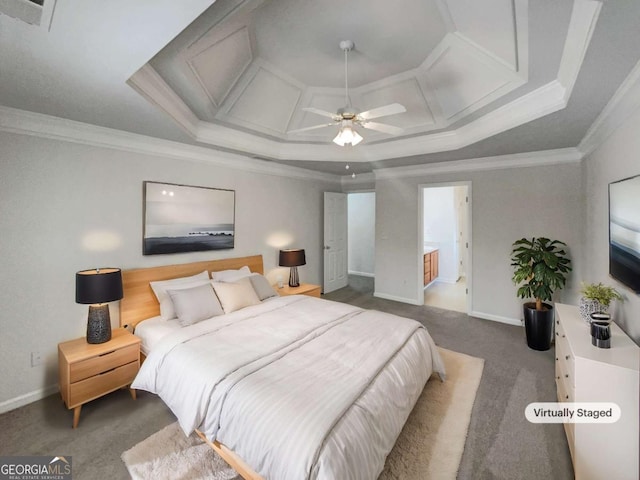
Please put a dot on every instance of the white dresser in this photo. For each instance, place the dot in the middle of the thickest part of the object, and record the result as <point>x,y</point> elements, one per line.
<point>585,373</point>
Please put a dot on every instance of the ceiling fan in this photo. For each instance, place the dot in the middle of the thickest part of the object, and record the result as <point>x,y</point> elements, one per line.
<point>348,117</point>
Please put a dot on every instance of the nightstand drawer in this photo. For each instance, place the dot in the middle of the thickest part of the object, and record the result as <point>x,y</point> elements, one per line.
<point>102,363</point>
<point>314,292</point>
<point>98,385</point>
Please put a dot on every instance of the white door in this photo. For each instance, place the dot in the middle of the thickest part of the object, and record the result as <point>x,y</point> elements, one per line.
<point>335,241</point>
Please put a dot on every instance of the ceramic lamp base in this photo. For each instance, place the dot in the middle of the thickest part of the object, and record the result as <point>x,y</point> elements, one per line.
<point>99,324</point>
<point>293,277</point>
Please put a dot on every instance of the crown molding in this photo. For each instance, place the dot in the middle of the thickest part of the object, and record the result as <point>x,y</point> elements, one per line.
<point>148,83</point>
<point>46,126</point>
<point>500,162</point>
<point>581,26</point>
<point>622,105</point>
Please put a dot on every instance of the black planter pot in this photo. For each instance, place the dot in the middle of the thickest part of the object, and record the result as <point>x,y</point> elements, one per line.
<point>538,325</point>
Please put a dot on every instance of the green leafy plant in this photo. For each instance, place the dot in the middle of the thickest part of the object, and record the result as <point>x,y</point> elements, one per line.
<point>540,267</point>
<point>603,294</point>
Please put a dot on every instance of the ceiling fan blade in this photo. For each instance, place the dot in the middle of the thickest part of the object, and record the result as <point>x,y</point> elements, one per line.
<point>391,109</point>
<point>324,113</point>
<point>299,130</point>
<point>381,127</point>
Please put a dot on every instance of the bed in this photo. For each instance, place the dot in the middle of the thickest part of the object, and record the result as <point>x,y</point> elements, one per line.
<point>287,387</point>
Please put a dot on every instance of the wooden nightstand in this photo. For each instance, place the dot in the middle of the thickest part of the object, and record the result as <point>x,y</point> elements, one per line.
<point>89,371</point>
<point>303,289</point>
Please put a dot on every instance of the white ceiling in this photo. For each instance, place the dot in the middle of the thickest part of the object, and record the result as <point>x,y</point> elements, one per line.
<point>477,78</point>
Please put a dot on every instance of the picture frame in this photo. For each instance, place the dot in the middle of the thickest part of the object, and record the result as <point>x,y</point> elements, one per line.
<point>184,218</point>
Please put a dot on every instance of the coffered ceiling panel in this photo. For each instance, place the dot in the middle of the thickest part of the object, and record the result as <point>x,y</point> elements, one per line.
<point>463,78</point>
<point>266,102</point>
<point>218,77</point>
<point>471,19</point>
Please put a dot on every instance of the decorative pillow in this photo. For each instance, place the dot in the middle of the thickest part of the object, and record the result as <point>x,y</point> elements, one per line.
<point>262,287</point>
<point>230,275</point>
<point>195,304</point>
<point>237,295</point>
<point>160,288</point>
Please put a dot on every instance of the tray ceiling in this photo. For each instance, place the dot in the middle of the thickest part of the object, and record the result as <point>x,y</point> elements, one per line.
<point>252,67</point>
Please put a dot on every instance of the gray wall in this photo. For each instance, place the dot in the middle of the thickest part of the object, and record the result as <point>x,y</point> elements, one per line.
<point>617,158</point>
<point>68,207</point>
<point>505,205</point>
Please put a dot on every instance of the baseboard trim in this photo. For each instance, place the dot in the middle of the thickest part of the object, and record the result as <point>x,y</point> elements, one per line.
<point>27,398</point>
<point>361,274</point>
<point>410,301</point>
<point>496,318</point>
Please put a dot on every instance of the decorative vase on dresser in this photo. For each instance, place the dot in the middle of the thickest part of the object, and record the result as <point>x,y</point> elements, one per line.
<point>585,373</point>
<point>588,306</point>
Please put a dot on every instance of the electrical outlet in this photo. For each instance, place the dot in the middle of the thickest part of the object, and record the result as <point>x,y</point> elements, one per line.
<point>36,359</point>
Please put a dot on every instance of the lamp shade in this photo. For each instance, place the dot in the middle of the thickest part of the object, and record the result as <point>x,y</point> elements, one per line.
<point>292,258</point>
<point>99,285</point>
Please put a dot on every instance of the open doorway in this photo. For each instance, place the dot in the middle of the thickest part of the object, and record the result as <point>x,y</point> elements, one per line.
<point>361,214</point>
<point>446,234</point>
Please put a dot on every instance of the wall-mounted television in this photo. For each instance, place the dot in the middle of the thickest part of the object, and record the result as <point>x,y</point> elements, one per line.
<point>624,232</point>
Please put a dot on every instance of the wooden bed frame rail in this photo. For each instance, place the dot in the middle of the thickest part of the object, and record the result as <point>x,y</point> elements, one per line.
<point>231,458</point>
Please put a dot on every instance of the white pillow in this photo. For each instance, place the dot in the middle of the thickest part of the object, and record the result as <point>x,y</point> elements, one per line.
<point>262,286</point>
<point>230,275</point>
<point>195,304</point>
<point>160,288</point>
<point>236,295</point>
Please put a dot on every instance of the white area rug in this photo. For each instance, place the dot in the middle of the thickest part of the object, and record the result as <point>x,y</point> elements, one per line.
<point>430,445</point>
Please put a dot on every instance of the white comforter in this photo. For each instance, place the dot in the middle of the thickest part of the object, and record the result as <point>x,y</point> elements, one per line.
<point>298,387</point>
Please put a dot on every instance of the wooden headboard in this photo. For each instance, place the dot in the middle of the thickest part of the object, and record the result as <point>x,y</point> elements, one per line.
<point>139,302</point>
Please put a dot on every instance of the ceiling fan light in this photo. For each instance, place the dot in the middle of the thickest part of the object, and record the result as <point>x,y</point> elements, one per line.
<point>347,136</point>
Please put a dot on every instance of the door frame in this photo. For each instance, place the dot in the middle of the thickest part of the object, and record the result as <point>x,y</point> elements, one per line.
<point>469,250</point>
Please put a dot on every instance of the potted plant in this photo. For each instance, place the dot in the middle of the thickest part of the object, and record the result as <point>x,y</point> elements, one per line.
<point>540,267</point>
<point>596,297</point>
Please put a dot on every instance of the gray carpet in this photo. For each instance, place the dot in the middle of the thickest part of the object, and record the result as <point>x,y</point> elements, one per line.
<point>501,444</point>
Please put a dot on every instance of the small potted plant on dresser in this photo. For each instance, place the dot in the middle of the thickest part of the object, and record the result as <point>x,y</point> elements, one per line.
<point>540,267</point>
<point>596,297</point>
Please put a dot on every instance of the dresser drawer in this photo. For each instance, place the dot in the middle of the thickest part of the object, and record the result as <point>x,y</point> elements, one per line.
<point>565,363</point>
<point>565,391</point>
<point>94,387</point>
<point>102,363</point>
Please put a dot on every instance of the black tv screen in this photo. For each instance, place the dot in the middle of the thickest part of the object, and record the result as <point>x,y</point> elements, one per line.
<point>624,232</point>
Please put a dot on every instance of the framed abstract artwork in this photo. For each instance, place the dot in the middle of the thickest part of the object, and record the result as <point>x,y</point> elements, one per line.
<point>183,218</point>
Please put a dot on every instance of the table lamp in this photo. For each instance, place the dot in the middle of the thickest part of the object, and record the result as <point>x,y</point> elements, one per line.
<point>292,258</point>
<point>97,287</point>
